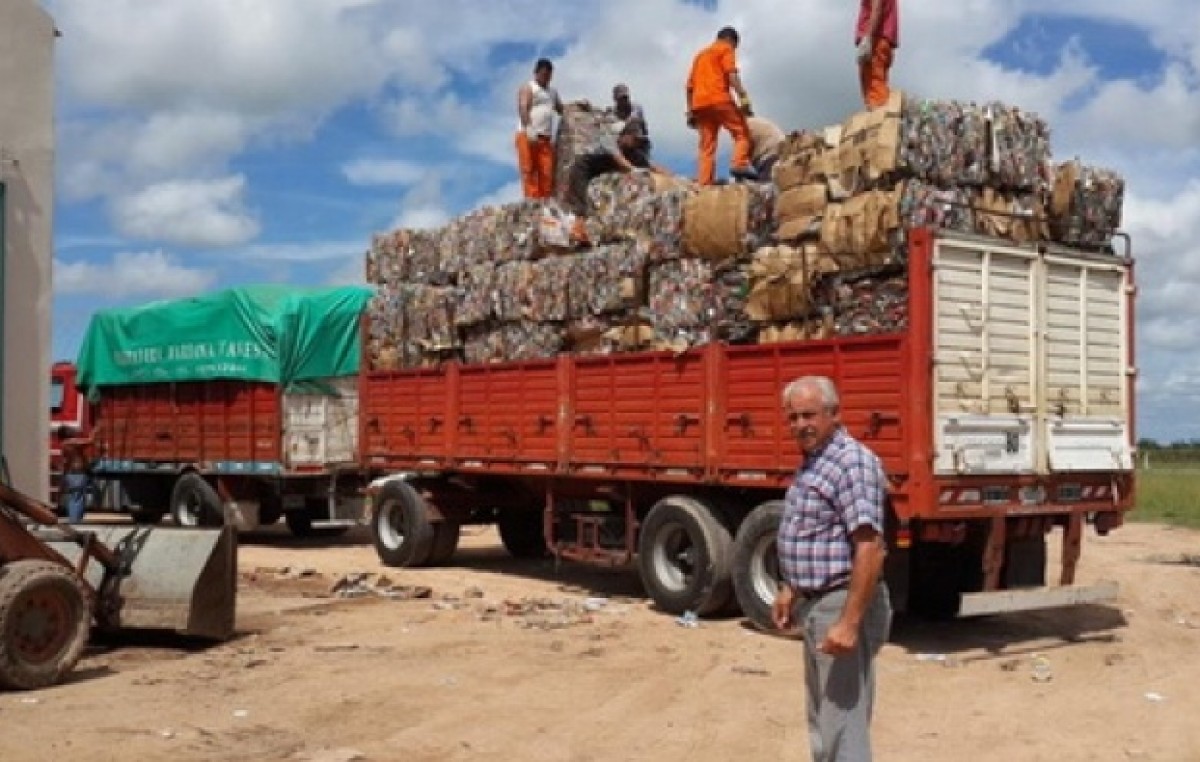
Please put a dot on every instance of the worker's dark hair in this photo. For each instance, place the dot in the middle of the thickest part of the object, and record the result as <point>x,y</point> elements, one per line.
<point>543,64</point>
<point>728,33</point>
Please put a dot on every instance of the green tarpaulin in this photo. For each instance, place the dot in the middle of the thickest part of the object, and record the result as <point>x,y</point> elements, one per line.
<point>281,334</point>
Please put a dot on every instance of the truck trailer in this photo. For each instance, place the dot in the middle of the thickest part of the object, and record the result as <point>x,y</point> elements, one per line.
<point>237,407</point>
<point>1002,411</point>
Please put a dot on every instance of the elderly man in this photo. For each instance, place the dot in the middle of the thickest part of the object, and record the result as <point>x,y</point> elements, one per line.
<point>710,108</point>
<point>831,554</point>
<point>537,103</point>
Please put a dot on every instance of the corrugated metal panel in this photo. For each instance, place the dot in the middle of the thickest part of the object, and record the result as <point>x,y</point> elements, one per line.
<point>985,358</point>
<point>1086,385</point>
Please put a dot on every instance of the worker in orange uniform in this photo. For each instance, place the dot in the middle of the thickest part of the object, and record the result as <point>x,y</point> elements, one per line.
<point>537,103</point>
<point>710,107</point>
<point>876,36</point>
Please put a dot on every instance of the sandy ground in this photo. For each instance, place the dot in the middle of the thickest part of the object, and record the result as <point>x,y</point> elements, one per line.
<point>518,660</point>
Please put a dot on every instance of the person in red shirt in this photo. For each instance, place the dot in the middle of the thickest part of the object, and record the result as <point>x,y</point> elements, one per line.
<point>876,36</point>
<point>710,107</point>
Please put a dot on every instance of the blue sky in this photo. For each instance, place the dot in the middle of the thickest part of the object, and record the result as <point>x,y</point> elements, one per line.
<point>207,143</point>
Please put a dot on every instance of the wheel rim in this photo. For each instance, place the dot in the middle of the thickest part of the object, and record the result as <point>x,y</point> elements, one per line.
<point>675,558</point>
<point>391,525</point>
<point>764,568</point>
<point>187,512</point>
<point>43,625</point>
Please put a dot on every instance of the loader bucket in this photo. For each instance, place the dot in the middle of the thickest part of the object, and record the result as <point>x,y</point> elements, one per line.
<point>183,580</point>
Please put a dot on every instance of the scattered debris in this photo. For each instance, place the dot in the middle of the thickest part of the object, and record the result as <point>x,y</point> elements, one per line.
<point>1157,698</point>
<point>330,755</point>
<point>241,712</point>
<point>359,584</point>
<point>1174,559</point>
<point>1010,665</point>
<point>688,619</point>
<point>473,593</point>
<point>1041,669</point>
<point>755,671</point>
<point>1112,660</point>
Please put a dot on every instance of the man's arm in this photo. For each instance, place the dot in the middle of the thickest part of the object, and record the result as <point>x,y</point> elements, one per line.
<point>869,552</point>
<point>524,103</point>
<point>558,103</point>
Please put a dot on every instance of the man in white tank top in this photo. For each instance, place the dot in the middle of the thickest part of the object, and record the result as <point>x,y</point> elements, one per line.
<point>537,104</point>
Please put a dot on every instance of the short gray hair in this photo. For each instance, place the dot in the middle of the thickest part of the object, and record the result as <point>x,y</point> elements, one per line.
<point>824,386</point>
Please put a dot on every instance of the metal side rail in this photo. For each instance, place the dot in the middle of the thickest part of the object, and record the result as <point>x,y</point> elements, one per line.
<point>1035,598</point>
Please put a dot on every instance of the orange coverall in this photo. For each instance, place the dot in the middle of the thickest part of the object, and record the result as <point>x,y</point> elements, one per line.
<point>713,108</point>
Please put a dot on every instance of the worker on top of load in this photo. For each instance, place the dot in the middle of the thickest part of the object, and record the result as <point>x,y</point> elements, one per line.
<point>623,152</point>
<point>876,37</point>
<point>765,140</point>
<point>625,109</point>
<point>537,103</point>
<point>710,107</point>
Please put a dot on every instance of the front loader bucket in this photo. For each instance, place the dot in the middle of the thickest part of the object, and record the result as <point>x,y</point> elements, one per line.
<point>173,579</point>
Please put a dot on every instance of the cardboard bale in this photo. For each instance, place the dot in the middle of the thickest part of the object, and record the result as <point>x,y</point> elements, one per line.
<point>778,284</point>
<point>727,221</point>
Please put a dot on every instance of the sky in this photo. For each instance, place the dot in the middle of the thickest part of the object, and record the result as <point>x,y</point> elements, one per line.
<point>211,143</point>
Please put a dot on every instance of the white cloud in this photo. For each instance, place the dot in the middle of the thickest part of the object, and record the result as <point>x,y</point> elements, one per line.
<point>505,194</point>
<point>314,251</point>
<point>149,274</point>
<point>190,213</point>
<point>383,172</point>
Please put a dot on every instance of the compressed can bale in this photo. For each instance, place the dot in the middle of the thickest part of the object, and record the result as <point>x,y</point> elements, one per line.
<point>579,134</point>
<point>1086,205</point>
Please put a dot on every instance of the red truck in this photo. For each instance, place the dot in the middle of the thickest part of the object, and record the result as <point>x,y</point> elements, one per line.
<point>1003,411</point>
<point>70,419</point>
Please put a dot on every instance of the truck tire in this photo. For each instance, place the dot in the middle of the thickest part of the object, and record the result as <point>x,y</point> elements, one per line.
<point>522,533</point>
<point>445,542</point>
<point>683,556</point>
<point>756,563</point>
<point>44,623</point>
<point>401,529</point>
<point>194,503</point>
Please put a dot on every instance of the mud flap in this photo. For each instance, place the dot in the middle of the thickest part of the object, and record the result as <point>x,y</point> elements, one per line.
<point>183,580</point>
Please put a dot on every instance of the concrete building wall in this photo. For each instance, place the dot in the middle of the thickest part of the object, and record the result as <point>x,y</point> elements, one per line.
<point>27,175</point>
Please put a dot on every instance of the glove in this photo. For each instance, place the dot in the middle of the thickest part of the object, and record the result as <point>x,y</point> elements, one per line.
<point>864,48</point>
<point>691,119</point>
<point>746,107</point>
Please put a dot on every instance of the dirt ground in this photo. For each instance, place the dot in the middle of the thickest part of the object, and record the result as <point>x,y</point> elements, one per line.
<point>511,660</point>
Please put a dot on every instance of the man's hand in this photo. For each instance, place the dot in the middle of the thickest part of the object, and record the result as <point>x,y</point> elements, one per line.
<point>864,48</point>
<point>691,119</point>
<point>746,107</point>
<point>840,639</point>
<point>781,609</point>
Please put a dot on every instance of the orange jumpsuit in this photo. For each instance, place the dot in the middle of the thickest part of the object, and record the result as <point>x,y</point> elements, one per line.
<point>713,108</point>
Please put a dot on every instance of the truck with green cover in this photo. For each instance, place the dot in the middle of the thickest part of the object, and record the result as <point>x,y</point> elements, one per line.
<point>235,407</point>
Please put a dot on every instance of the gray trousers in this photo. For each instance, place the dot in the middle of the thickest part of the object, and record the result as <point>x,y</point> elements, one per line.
<point>841,689</point>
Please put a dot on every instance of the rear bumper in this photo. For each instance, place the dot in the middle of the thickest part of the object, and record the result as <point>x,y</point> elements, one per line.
<point>1035,598</point>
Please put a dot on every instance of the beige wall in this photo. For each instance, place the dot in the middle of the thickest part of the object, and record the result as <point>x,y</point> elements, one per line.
<point>27,171</point>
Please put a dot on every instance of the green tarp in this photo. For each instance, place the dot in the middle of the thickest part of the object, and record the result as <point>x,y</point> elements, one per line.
<point>281,334</point>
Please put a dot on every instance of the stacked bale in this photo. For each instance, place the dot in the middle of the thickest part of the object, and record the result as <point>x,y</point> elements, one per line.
<point>819,251</point>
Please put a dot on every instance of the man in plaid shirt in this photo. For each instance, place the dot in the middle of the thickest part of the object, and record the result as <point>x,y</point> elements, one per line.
<point>831,553</point>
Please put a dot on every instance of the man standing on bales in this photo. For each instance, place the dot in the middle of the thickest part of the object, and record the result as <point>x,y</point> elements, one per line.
<point>710,107</point>
<point>537,103</point>
<point>877,35</point>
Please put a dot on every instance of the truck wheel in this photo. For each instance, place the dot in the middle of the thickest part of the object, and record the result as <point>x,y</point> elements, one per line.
<point>401,528</point>
<point>756,563</point>
<point>445,542</point>
<point>194,503</point>
<point>44,623</point>
<point>522,534</point>
<point>683,556</point>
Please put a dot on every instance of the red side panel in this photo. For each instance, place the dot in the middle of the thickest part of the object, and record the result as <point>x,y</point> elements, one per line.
<point>757,447</point>
<point>190,422</point>
<point>405,417</point>
<point>638,415</point>
<point>507,416</point>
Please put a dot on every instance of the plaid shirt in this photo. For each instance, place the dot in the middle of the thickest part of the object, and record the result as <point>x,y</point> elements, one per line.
<point>835,491</point>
